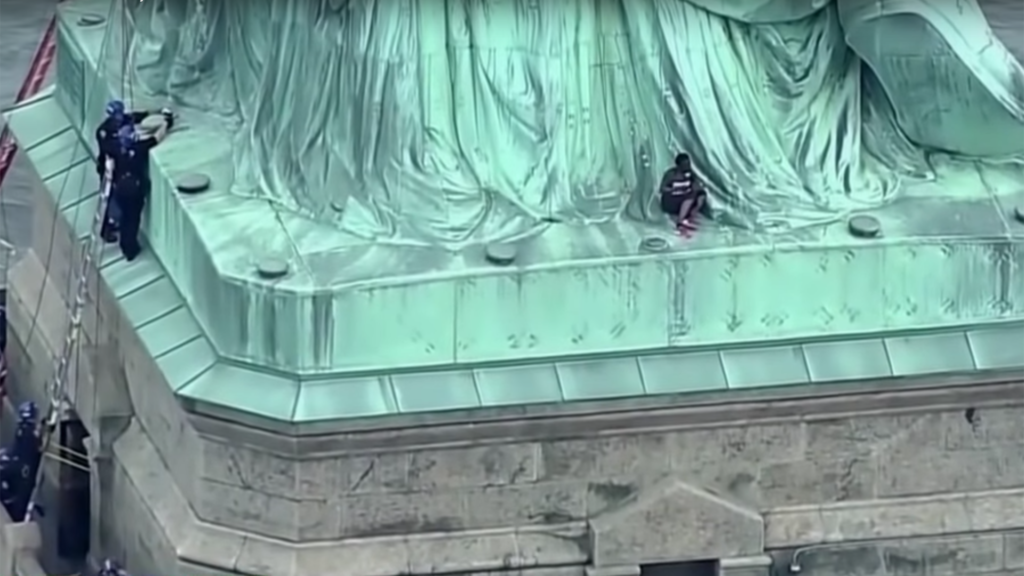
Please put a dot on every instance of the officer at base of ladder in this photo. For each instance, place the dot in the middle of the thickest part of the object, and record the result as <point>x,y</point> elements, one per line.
<point>117,117</point>
<point>130,185</point>
<point>20,464</point>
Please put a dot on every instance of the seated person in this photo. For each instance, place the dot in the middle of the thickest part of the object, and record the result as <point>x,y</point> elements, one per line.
<point>683,195</point>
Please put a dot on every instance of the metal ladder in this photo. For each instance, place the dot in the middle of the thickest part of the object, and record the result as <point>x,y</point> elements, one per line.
<point>62,362</point>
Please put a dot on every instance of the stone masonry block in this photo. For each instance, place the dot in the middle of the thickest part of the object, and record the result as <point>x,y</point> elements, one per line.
<point>992,427</point>
<point>477,466</point>
<point>422,470</point>
<point>403,513</point>
<point>266,514</point>
<point>911,469</point>
<point>852,560</point>
<point>946,452</point>
<point>672,522</point>
<point>1013,547</point>
<point>160,414</point>
<point>945,556</point>
<point>135,532</point>
<point>605,457</point>
<point>245,467</point>
<point>858,437</point>
<point>724,458</point>
<point>542,503</point>
<point>807,481</point>
<point>334,478</point>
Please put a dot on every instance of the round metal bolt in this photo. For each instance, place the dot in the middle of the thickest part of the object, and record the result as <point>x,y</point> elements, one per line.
<point>501,254</point>
<point>89,20</point>
<point>272,268</point>
<point>338,206</point>
<point>193,183</point>
<point>1018,213</point>
<point>864,226</point>
<point>654,244</point>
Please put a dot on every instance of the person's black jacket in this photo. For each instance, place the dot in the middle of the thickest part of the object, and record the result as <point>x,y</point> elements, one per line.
<point>106,137</point>
<point>131,167</point>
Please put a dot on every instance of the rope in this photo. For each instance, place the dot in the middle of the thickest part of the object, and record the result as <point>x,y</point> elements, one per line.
<point>59,386</point>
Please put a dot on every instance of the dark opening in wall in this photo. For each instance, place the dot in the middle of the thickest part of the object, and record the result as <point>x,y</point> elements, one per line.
<point>74,512</point>
<point>695,568</point>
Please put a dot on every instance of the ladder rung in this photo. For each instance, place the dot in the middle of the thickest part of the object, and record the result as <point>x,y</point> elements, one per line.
<point>62,460</point>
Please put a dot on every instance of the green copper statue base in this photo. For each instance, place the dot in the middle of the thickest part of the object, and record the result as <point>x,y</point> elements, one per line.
<point>947,252</point>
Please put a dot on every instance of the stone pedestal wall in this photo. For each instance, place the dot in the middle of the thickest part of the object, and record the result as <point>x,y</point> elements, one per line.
<point>186,496</point>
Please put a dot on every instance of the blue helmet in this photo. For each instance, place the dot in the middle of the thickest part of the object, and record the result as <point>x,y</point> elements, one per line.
<point>127,136</point>
<point>28,411</point>
<point>115,108</point>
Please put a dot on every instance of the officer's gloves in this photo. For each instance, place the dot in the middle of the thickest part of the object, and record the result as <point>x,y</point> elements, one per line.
<point>168,117</point>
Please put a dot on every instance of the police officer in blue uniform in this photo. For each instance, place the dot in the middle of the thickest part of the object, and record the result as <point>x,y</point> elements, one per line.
<point>20,464</point>
<point>131,182</point>
<point>117,117</point>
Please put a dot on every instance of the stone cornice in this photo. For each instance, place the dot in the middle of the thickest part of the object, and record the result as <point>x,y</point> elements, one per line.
<point>793,404</point>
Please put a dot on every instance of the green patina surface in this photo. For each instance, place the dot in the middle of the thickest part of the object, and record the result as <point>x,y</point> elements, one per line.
<point>390,305</point>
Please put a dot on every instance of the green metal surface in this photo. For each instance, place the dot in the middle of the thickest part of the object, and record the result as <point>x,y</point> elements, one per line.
<point>776,293</point>
<point>725,286</point>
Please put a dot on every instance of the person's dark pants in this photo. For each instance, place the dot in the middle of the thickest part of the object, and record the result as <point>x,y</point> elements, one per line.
<point>131,200</point>
<point>111,220</point>
<point>684,206</point>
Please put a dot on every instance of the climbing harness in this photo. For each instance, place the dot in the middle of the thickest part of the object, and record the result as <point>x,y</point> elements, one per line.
<point>59,385</point>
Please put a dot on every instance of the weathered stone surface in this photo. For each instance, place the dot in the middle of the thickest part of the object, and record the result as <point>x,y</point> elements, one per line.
<point>163,514</point>
<point>395,514</point>
<point>959,556</point>
<point>265,514</point>
<point>857,437</point>
<point>969,555</point>
<point>766,466</point>
<point>1014,550</point>
<point>485,466</point>
<point>671,522</point>
<point>789,483</point>
<point>247,468</point>
<point>608,457</point>
<point>546,503</point>
<point>159,413</point>
<point>854,560</point>
<point>928,468</point>
<point>336,477</point>
<point>142,506</point>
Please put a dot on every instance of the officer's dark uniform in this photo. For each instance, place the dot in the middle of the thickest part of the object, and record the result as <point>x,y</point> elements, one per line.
<point>108,146</point>
<point>131,186</point>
